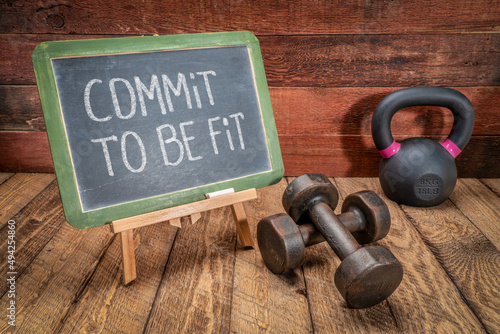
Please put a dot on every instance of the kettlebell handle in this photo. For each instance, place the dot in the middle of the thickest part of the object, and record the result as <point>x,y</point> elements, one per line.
<point>458,103</point>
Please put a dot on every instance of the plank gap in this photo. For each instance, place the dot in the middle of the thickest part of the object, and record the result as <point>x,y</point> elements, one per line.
<point>163,277</point>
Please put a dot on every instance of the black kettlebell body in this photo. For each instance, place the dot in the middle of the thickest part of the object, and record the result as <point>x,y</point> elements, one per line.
<point>423,173</point>
<point>419,171</point>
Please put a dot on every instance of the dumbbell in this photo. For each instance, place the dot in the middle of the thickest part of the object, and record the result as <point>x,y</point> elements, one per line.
<point>364,214</point>
<point>367,275</point>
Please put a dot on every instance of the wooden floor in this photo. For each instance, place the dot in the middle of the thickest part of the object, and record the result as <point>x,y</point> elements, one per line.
<point>198,278</point>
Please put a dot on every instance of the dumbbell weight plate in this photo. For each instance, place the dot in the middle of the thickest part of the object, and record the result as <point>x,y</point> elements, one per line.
<point>306,190</point>
<point>280,243</point>
<point>368,276</point>
<point>375,211</point>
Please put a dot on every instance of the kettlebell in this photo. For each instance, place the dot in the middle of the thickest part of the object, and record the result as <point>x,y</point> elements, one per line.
<point>419,171</point>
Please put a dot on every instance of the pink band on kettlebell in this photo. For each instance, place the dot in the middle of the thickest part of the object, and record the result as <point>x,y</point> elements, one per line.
<point>391,150</point>
<point>451,147</point>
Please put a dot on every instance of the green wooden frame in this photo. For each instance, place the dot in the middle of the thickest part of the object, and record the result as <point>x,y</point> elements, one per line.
<point>59,142</point>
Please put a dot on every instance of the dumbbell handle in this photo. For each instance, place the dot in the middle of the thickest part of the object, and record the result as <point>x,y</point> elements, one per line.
<point>333,230</point>
<point>312,236</point>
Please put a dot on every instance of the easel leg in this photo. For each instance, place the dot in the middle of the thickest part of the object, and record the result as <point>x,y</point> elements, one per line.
<point>128,252</point>
<point>241,221</point>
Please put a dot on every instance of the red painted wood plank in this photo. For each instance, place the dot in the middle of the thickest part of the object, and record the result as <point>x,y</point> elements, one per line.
<point>260,17</point>
<point>25,151</point>
<point>333,155</point>
<point>348,111</point>
<point>332,61</point>
<point>331,111</point>
<point>357,156</point>
<point>15,59</point>
<point>20,109</point>
<point>382,60</point>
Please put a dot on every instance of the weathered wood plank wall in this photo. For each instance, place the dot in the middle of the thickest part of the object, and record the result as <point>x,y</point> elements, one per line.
<point>328,65</point>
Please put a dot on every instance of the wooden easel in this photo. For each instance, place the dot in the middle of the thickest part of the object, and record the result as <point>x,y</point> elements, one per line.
<point>173,215</point>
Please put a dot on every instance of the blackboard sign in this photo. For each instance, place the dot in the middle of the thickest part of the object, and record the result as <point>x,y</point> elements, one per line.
<point>140,124</point>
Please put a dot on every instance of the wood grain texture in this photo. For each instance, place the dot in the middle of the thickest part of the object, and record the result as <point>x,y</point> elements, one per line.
<point>331,61</point>
<point>381,60</point>
<point>348,111</point>
<point>427,299</point>
<point>319,48</point>
<point>20,109</point>
<point>468,256</point>
<point>493,184</point>
<point>332,155</point>
<point>195,292</point>
<point>337,155</point>
<point>54,278</point>
<point>328,64</point>
<point>329,311</point>
<point>480,205</point>
<point>17,55</point>
<point>5,176</point>
<point>262,17</point>
<point>336,110</point>
<point>261,301</point>
<point>18,191</point>
<point>105,305</point>
<point>22,148</point>
<point>35,225</point>
<point>198,279</point>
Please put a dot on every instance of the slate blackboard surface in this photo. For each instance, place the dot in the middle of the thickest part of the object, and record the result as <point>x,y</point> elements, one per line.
<point>157,125</point>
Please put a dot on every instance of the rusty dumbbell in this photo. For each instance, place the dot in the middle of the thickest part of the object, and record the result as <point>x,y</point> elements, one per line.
<point>367,275</point>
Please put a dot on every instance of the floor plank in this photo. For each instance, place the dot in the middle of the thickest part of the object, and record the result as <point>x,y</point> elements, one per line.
<point>35,225</point>
<point>480,205</point>
<point>18,191</point>
<point>106,305</point>
<point>262,301</point>
<point>195,292</point>
<point>199,279</point>
<point>5,176</point>
<point>467,255</point>
<point>432,306</point>
<point>46,290</point>
<point>493,184</point>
